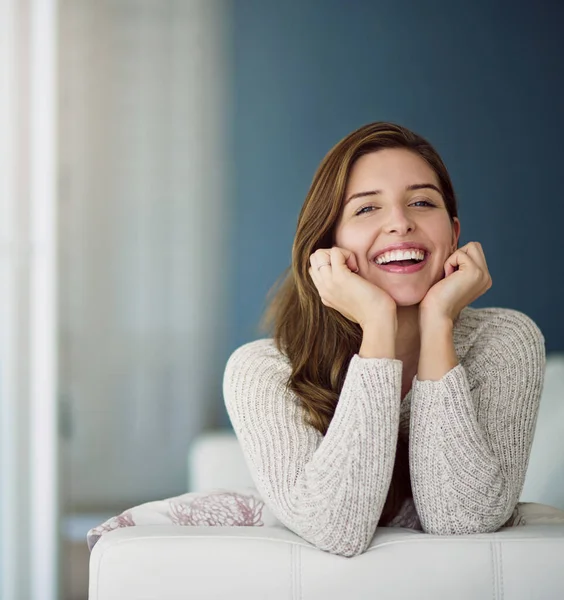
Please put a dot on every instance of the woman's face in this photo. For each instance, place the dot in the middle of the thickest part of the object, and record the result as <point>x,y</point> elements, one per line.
<point>390,199</point>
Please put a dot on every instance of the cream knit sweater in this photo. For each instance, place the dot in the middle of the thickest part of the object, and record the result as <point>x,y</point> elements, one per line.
<point>470,436</point>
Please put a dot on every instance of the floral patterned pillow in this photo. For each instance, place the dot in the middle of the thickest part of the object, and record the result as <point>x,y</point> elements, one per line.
<point>215,508</point>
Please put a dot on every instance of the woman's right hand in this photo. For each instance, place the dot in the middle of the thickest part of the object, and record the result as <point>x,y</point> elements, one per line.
<point>334,273</point>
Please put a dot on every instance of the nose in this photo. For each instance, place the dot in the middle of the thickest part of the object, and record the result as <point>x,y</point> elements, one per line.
<point>398,221</point>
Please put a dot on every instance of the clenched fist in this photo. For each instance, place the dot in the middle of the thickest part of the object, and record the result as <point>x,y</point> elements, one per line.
<point>334,273</point>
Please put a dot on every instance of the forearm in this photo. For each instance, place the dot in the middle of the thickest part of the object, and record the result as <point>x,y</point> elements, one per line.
<point>329,489</point>
<point>437,353</point>
<point>457,479</point>
<point>471,429</point>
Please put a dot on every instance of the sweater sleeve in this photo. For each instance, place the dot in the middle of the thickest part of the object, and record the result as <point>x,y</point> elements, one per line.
<point>470,444</point>
<point>331,489</point>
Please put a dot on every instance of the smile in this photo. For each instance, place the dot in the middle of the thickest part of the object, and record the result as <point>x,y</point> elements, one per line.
<point>404,270</point>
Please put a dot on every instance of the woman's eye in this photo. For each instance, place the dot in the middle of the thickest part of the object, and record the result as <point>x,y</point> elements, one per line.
<point>424,201</point>
<point>364,210</point>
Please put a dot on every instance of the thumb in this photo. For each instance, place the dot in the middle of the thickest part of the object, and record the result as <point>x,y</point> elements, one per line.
<point>344,257</point>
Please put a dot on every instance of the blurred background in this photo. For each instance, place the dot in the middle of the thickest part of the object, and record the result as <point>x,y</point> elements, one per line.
<point>154,156</point>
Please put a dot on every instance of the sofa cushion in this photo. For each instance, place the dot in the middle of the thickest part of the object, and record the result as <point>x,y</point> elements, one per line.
<point>175,563</point>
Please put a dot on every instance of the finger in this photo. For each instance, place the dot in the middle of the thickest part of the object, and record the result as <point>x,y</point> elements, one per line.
<point>342,257</point>
<point>317,283</point>
<point>317,257</point>
<point>315,277</point>
<point>320,257</point>
<point>475,250</point>
<point>350,259</point>
<point>458,260</point>
<point>319,286</point>
<point>321,266</point>
<point>324,270</point>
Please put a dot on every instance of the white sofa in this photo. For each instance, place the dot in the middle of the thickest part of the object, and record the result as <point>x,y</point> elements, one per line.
<point>175,562</point>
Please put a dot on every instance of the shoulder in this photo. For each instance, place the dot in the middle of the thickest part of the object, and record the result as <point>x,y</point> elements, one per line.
<point>500,323</point>
<point>256,368</point>
<point>259,355</point>
<point>504,332</point>
<point>255,387</point>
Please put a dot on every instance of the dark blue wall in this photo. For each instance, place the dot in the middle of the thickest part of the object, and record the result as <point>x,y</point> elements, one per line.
<point>482,80</point>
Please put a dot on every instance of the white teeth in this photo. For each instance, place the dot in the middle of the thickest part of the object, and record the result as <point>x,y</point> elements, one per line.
<point>395,255</point>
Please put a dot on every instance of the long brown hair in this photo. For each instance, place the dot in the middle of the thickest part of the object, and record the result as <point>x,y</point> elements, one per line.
<point>318,340</point>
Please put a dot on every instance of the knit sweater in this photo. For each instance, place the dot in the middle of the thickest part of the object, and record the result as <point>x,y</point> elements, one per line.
<point>470,435</point>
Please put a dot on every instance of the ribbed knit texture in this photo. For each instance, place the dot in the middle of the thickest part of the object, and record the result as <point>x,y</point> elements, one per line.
<point>470,436</point>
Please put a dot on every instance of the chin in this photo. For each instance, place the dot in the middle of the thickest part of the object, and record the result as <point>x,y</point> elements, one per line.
<point>406,303</point>
<point>407,297</point>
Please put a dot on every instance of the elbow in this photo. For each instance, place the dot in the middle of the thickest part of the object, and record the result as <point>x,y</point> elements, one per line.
<point>346,544</point>
<point>459,517</point>
<point>459,529</point>
<point>346,534</point>
<point>354,547</point>
<point>349,548</point>
<point>341,540</point>
<point>465,524</point>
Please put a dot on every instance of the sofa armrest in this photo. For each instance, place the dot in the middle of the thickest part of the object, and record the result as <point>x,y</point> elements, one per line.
<point>175,562</point>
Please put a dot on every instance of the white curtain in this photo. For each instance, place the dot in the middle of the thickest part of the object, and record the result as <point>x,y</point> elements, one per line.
<point>143,223</point>
<point>113,238</point>
<point>28,323</point>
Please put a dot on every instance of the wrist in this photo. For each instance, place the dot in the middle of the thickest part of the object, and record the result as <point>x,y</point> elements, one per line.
<point>437,353</point>
<point>382,323</point>
<point>435,321</point>
<point>434,329</point>
<point>379,337</point>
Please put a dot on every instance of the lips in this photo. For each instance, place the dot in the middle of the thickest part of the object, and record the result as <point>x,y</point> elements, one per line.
<point>392,268</point>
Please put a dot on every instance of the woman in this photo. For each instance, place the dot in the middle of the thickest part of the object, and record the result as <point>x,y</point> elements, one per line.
<point>383,398</point>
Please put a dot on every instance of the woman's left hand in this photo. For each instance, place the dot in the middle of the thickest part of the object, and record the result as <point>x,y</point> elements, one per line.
<point>466,278</point>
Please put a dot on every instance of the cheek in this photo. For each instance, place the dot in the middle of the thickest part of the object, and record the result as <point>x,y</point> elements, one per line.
<point>344,236</point>
<point>354,236</point>
<point>439,263</point>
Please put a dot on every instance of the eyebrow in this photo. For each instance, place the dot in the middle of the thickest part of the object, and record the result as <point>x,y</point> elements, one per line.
<point>414,186</point>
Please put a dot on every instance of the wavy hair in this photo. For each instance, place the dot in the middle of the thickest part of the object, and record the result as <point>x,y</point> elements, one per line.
<point>318,340</point>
